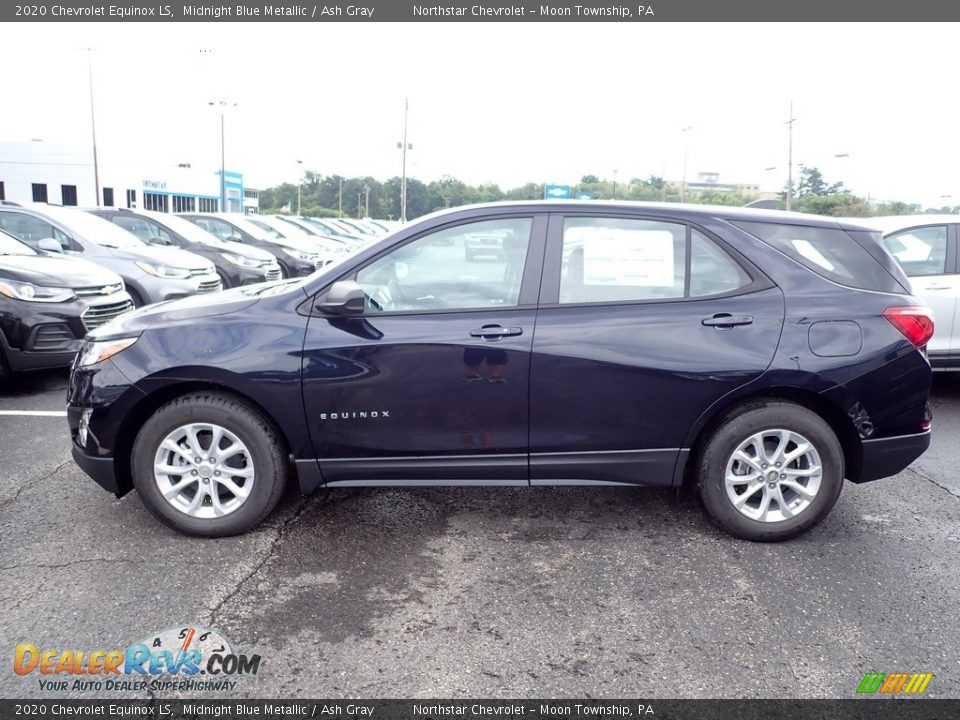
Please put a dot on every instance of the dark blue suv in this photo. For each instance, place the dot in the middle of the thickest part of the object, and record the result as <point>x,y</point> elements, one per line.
<point>760,357</point>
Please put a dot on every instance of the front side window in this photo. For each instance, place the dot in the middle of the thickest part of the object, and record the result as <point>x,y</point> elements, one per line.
<point>32,230</point>
<point>216,227</point>
<point>628,260</point>
<point>920,251</point>
<point>473,266</point>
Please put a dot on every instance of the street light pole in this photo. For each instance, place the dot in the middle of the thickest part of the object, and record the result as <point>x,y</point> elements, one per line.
<point>223,104</point>
<point>614,183</point>
<point>403,179</point>
<point>683,180</point>
<point>790,158</point>
<point>93,128</point>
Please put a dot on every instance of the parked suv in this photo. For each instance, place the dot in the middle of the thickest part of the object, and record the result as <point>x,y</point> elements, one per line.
<point>151,273</point>
<point>928,249</point>
<point>47,305</point>
<point>760,357</point>
<point>297,258</point>
<point>236,264</point>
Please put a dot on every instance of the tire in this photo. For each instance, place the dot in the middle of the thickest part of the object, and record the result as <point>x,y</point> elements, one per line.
<point>258,472</point>
<point>135,296</point>
<point>723,477</point>
<point>5,371</point>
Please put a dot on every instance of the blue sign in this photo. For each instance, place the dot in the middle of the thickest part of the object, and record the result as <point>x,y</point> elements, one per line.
<point>556,192</point>
<point>584,196</point>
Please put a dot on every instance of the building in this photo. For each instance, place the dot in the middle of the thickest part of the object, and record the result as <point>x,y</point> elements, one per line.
<point>711,181</point>
<point>64,175</point>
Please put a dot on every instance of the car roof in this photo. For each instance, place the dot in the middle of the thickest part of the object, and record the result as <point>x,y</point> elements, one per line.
<point>690,210</point>
<point>892,223</point>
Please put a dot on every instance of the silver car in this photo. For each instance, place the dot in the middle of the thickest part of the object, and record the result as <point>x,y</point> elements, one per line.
<point>151,274</point>
<point>927,248</point>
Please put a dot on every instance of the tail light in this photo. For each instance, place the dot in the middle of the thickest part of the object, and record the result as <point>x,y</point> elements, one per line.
<point>915,322</point>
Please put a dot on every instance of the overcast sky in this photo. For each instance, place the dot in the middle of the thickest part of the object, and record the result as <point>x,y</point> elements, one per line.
<point>503,103</point>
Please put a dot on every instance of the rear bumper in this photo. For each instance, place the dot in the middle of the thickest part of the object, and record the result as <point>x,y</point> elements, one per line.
<point>884,457</point>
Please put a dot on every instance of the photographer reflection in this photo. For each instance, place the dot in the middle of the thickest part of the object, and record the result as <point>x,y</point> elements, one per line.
<point>474,358</point>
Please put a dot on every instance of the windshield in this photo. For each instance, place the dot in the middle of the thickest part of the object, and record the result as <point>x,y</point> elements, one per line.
<point>9,245</point>
<point>248,227</point>
<point>92,228</point>
<point>186,229</point>
<point>266,227</point>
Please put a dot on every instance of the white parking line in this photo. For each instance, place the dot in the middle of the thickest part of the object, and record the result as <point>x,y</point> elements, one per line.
<point>35,413</point>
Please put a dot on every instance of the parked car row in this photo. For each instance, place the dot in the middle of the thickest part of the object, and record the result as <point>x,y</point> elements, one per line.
<point>65,271</point>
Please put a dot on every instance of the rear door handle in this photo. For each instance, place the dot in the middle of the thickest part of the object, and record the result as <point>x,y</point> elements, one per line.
<point>726,320</point>
<point>937,287</point>
<point>495,332</point>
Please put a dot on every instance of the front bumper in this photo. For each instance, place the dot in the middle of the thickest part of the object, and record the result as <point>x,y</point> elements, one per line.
<point>884,457</point>
<point>101,469</point>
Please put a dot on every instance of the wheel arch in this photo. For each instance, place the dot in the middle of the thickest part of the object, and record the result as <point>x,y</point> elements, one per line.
<point>831,413</point>
<point>138,414</point>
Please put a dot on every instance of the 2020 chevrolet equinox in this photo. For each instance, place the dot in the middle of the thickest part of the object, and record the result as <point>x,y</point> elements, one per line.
<point>760,357</point>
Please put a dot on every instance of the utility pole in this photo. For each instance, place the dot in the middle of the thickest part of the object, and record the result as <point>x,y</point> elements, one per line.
<point>299,184</point>
<point>340,199</point>
<point>366,202</point>
<point>359,202</point>
<point>93,127</point>
<point>403,178</point>
<point>683,180</point>
<point>789,124</point>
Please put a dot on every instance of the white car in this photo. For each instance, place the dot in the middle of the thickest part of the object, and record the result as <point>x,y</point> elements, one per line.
<point>926,246</point>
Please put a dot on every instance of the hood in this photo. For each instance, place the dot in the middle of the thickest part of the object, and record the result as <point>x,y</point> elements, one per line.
<point>172,257</point>
<point>294,243</point>
<point>243,250</point>
<point>176,311</point>
<point>55,271</point>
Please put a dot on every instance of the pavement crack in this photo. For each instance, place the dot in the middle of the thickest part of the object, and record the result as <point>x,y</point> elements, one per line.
<point>267,557</point>
<point>934,482</point>
<point>29,483</point>
<point>72,563</point>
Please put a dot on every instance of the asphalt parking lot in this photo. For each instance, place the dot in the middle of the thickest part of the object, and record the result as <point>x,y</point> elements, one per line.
<point>489,592</point>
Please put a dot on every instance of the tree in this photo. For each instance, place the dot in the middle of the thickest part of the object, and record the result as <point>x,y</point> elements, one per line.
<point>812,183</point>
<point>589,179</point>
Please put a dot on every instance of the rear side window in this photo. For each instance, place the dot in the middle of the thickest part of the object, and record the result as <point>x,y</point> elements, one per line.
<point>829,252</point>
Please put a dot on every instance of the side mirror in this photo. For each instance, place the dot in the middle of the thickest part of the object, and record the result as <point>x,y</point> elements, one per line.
<point>234,238</point>
<point>159,241</point>
<point>49,245</point>
<point>345,297</point>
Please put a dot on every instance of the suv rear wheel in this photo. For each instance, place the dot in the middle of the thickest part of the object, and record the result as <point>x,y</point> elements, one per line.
<point>209,464</point>
<point>770,471</point>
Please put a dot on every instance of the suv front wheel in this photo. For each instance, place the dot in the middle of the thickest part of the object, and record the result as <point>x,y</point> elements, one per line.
<point>771,471</point>
<point>209,464</point>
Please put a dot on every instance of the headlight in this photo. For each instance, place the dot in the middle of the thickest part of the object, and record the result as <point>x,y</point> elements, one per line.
<point>163,270</point>
<point>35,293</point>
<point>100,350</point>
<point>300,255</point>
<point>240,260</point>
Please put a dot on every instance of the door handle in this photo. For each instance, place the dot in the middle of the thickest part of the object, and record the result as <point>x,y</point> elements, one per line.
<point>937,287</point>
<point>495,332</point>
<point>726,320</point>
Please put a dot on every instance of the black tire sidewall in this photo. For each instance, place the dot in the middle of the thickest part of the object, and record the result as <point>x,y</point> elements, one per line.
<point>241,420</point>
<point>754,418</point>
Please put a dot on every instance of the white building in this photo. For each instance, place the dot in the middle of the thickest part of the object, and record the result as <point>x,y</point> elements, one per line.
<point>64,175</point>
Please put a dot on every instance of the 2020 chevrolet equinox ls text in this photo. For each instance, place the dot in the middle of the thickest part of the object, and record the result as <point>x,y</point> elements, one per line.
<point>760,357</point>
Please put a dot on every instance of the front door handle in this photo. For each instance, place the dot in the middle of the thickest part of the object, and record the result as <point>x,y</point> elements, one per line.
<point>495,332</point>
<point>937,287</point>
<point>726,320</point>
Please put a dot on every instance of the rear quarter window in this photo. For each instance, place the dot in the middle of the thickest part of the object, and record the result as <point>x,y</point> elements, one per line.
<point>831,253</point>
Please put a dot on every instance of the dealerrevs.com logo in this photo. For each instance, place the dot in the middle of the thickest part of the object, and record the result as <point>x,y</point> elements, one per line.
<point>189,658</point>
<point>894,683</point>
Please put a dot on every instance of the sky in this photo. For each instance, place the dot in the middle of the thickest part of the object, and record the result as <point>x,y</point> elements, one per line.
<point>502,103</point>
